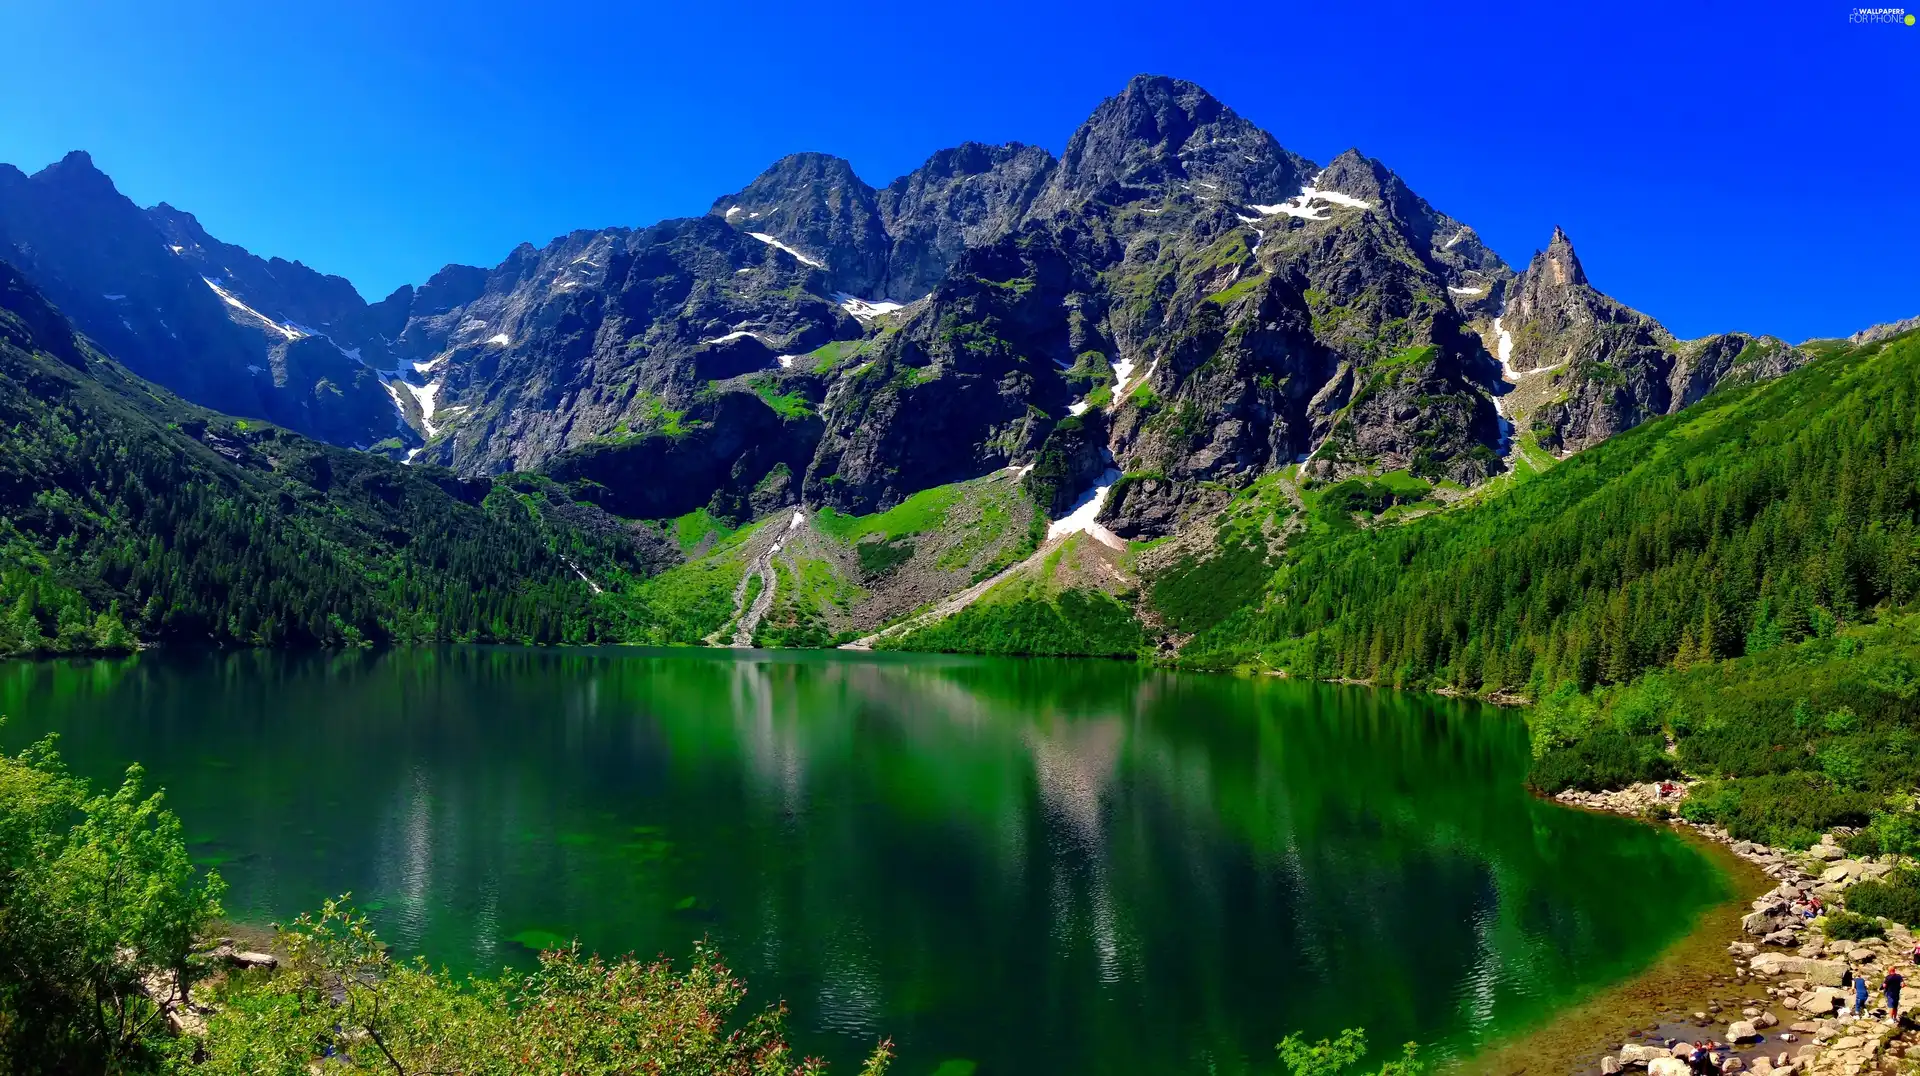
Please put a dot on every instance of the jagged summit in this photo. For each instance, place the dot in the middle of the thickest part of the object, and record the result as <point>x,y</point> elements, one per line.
<point>1162,133</point>
<point>822,213</point>
<point>1560,263</point>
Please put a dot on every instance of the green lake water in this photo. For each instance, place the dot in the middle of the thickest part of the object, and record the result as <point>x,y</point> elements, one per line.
<point>1009,867</point>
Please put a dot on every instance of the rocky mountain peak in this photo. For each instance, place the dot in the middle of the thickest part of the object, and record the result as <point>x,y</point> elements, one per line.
<point>76,171</point>
<point>825,216</point>
<point>1354,173</point>
<point>966,159</point>
<point>1162,134</point>
<point>1561,264</point>
<point>1885,330</point>
<point>284,290</point>
<point>962,197</point>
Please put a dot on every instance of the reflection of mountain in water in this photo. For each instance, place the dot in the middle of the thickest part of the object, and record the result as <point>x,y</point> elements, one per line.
<point>1038,866</point>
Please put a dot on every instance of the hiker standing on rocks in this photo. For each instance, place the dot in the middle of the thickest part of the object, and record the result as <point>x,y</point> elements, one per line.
<point>1859,995</point>
<point>1892,986</point>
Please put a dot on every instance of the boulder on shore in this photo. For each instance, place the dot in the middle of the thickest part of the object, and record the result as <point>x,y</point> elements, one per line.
<point>1759,923</point>
<point>1816,972</point>
<point>1742,1031</point>
<point>1634,1053</point>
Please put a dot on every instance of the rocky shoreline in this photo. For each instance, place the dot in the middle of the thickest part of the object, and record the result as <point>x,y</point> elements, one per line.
<point>1795,1019</point>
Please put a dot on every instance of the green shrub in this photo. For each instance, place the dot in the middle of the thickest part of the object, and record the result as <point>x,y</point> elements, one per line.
<point>1786,810</point>
<point>1897,897</point>
<point>1606,759</point>
<point>1846,926</point>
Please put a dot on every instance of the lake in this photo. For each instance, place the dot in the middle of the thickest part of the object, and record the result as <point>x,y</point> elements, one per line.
<point>1009,867</point>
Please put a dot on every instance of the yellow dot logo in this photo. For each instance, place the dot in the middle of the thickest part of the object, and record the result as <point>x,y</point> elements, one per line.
<point>1909,20</point>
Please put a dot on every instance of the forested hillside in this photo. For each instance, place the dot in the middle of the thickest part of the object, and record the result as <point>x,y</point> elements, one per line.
<point>126,513</point>
<point>1760,516</point>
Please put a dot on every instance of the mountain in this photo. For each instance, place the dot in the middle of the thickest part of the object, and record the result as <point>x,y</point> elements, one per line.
<point>204,318</point>
<point>1611,367</point>
<point>1176,319</point>
<point>1763,515</point>
<point>126,512</point>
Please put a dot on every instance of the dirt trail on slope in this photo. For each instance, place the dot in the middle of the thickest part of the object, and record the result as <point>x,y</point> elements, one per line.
<point>746,620</point>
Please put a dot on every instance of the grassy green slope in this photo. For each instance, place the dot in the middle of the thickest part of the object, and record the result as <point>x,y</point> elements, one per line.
<point>1055,607</point>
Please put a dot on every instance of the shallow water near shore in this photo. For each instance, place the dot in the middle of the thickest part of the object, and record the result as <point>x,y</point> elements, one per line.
<point>1009,867</point>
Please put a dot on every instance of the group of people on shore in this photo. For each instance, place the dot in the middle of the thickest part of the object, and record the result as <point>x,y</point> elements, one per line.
<point>1889,988</point>
<point>1709,1056</point>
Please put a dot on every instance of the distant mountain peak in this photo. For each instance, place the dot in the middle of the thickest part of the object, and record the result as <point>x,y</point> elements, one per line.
<point>77,170</point>
<point>1561,264</point>
<point>1162,135</point>
<point>1356,174</point>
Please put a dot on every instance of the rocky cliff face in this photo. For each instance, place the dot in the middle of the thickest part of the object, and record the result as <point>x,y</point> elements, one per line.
<point>1605,366</point>
<point>963,197</point>
<point>95,254</point>
<point>223,328</point>
<point>609,338</point>
<point>1178,296</point>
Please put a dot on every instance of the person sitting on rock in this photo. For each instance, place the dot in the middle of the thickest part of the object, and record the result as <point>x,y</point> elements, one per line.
<point>1702,1060</point>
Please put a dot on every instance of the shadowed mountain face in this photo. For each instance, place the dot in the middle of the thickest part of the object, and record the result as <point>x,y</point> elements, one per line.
<point>1178,297</point>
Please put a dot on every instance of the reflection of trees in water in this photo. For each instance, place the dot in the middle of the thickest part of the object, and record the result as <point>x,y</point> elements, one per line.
<point>1131,863</point>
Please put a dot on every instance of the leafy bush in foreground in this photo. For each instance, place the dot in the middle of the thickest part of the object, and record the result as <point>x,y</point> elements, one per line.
<point>100,908</point>
<point>96,895</point>
<point>342,995</point>
<point>1333,1057</point>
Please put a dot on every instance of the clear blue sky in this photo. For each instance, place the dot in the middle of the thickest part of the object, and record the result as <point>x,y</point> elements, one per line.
<point>1718,165</point>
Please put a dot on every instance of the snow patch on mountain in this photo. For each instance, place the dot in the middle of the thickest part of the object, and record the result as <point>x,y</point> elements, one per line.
<point>424,396</point>
<point>863,309</point>
<point>232,300</point>
<point>1080,518</point>
<point>778,245</point>
<point>1307,205</point>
